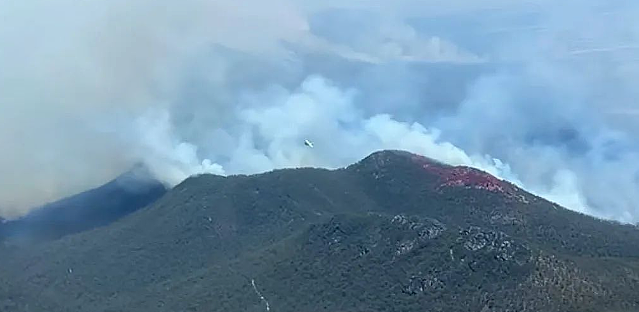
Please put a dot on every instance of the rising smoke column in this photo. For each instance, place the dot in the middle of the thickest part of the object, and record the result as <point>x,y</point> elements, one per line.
<point>534,92</point>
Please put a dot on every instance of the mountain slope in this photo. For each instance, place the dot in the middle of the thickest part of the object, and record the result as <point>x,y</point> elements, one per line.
<point>93,208</point>
<point>393,232</point>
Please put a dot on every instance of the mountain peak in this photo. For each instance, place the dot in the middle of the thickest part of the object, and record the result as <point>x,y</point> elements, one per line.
<point>390,156</point>
<point>447,176</point>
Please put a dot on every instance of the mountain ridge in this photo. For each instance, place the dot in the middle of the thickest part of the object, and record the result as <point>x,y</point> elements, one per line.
<point>374,236</point>
<point>95,207</point>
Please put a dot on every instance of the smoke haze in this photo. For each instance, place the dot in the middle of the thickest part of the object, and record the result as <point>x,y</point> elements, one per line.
<point>537,92</point>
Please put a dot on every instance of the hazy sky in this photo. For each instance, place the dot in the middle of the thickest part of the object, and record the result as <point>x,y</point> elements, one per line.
<point>538,92</point>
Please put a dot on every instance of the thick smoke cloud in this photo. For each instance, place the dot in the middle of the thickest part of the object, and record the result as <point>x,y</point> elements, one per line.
<point>536,92</point>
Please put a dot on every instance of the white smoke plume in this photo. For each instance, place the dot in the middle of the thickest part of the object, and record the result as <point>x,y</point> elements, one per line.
<point>535,92</point>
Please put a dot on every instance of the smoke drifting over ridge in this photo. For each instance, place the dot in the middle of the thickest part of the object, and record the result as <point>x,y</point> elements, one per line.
<point>538,93</point>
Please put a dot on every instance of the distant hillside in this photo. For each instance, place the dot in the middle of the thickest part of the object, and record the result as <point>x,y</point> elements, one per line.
<point>97,207</point>
<point>393,232</point>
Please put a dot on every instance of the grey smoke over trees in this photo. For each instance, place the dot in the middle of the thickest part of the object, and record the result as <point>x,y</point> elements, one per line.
<point>537,92</point>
